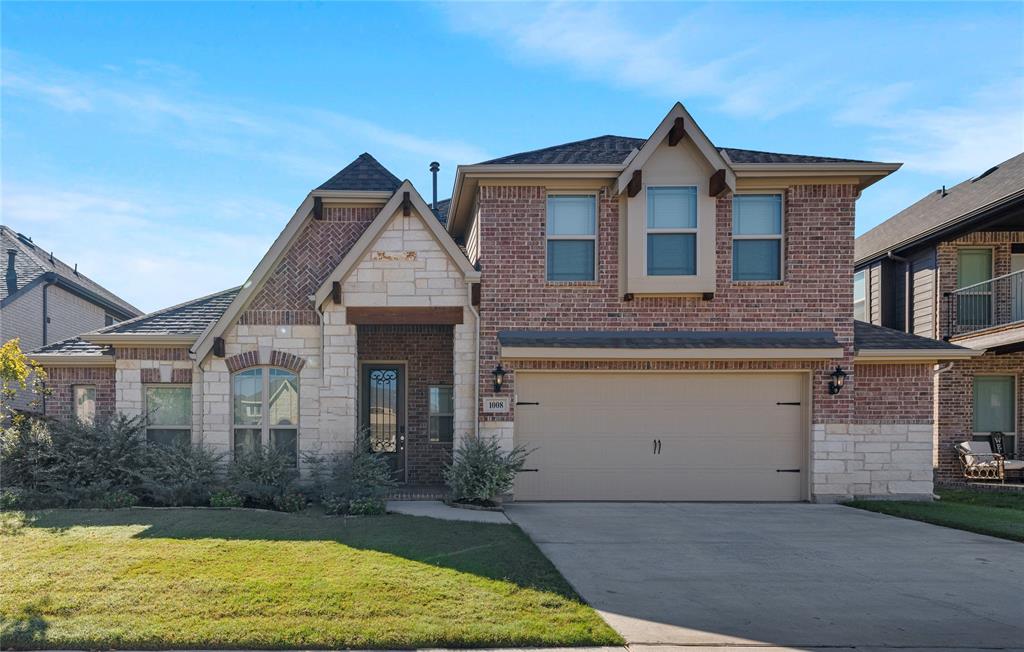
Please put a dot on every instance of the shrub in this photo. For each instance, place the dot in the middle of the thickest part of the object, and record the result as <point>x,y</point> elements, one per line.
<point>181,475</point>
<point>290,501</point>
<point>262,477</point>
<point>225,498</point>
<point>367,506</point>
<point>481,471</point>
<point>356,482</point>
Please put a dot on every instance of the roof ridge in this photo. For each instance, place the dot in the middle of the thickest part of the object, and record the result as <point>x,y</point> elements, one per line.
<point>558,145</point>
<point>128,322</point>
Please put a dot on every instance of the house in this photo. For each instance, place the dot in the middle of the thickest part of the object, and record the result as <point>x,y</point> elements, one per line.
<point>951,267</point>
<point>659,318</point>
<point>45,300</point>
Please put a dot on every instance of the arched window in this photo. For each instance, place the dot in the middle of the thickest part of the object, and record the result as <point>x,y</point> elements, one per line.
<point>265,407</point>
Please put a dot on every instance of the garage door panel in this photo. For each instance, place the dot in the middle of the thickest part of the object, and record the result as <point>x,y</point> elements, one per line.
<point>722,436</point>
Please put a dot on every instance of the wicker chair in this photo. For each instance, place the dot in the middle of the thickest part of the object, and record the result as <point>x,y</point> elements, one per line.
<point>979,462</point>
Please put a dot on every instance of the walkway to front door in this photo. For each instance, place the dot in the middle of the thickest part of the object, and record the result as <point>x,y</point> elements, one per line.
<point>786,575</point>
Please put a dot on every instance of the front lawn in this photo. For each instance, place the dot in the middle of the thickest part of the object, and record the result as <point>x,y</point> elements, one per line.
<point>995,514</point>
<point>248,579</point>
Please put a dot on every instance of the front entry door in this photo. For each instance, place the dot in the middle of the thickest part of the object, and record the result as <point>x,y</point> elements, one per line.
<point>383,412</point>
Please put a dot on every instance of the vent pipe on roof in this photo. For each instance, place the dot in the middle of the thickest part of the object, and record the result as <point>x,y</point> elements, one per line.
<point>943,191</point>
<point>434,167</point>
<point>12,274</point>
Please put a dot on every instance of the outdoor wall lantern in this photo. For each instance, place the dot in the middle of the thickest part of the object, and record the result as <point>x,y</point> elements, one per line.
<point>499,377</point>
<point>837,382</point>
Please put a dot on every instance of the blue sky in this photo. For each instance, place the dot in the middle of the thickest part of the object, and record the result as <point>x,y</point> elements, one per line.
<point>163,146</point>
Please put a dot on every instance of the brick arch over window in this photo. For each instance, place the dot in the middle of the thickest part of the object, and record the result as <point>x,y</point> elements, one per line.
<point>277,358</point>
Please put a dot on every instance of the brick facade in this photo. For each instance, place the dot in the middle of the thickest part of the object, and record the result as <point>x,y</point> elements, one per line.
<point>61,381</point>
<point>284,298</point>
<point>948,263</point>
<point>818,273</point>
<point>427,354</point>
<point>893,393</point>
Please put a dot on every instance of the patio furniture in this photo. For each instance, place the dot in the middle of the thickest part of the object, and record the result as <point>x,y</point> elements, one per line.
<point>979,462</point>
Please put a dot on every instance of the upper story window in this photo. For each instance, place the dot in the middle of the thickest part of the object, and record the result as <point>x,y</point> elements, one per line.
<point>169,415</point>
<point>108,320</point>
<point>860,297</point>
<point>672,231</point>
<point>85,403</point>
<point>572,237</point>
<point>265,409</point>
<point>757,237</point>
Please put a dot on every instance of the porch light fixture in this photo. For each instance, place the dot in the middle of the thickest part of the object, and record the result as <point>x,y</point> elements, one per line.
<point>837,382</point>
<point>499,377</point>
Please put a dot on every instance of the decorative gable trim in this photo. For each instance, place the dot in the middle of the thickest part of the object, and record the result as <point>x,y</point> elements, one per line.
<point>405,198</point>
<point>677,124</point>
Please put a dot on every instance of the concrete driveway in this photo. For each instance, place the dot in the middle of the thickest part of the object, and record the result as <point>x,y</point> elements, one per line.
<point>797,576</point>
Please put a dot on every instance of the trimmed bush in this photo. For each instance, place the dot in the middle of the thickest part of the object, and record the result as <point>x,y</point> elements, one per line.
<point>181,475</point>
<point>481,471</point>
<point>225,498</point>
<point>262,477</point>
<point>352,483</point>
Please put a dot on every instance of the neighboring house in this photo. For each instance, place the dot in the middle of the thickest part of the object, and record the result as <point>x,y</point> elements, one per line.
<point>44,300</point>
<point>668,316</point>
<point>951,267</point>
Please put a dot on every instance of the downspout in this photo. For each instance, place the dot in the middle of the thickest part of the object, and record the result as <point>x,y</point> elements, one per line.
<point>476,366</point>
<point>46,313</point>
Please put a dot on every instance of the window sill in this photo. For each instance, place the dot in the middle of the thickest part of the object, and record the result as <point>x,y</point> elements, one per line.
<point>762,283</point>
<point>571,284</point>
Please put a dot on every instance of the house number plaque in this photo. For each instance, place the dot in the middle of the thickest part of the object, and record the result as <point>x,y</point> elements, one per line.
<point>495,404</point>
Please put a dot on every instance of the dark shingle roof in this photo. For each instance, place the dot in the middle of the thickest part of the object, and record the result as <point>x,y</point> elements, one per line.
<point>869,336</point>
<point>935,211</point>
<point>72,346</point>
<point>602,150</point>
<point>31,262</point>
<point>442,210</point>
<point>671,339</point>
<point>364,173</point>
<point>613,150</point>
<point>189,318</point>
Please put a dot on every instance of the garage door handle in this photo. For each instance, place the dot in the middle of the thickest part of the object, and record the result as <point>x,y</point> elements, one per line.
<point>787,470</point>
<point>528,470</point>
<point>788,403</point>
<point>527,403</point>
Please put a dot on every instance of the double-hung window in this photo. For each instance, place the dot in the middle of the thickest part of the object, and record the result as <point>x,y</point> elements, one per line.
<point>995,406</point>
<point>672,231</point>
<point>860,296</point>
<point>441,426</point>
<point>265,407</point>
<point>169,415</point>
<point>85,403</point>
<point>757,237</point>
<point>572,237</point>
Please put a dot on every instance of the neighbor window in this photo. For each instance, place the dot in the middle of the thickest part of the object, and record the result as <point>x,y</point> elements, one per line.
<point>442,411</point>
<point>994,404</point>
<point>672,231</point>
<point>860,296</point>
<point>169,415</point>
<point>108,320</point>
<point>85,403</point>
<point>974,270</point>
<point>572,237</point>
<point>757,237</point>
<point>265,405</point>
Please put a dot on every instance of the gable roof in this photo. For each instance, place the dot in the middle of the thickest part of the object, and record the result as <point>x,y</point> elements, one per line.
<point>364,173</point>
<point>32,264</point>
<point>377,226</point>
<point>968,200</point>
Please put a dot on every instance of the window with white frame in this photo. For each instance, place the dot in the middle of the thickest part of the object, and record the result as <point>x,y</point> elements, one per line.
<point>265,409</point>
<point>672,231</point>
<point>995,405</point>
<point>860,296</point>
<point>441,426</point>
<point>85,403</point>
<point>571,238</point>
<point>169,415</point>
<point>757,237</point>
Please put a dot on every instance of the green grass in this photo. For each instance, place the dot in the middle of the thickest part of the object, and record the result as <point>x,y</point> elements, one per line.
<point>249,579</point>
<point>995,514</point>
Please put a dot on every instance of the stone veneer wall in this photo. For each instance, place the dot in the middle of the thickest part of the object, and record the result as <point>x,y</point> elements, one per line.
<point>61,381</point>
<point>157,364</point>
<point>427,353</point>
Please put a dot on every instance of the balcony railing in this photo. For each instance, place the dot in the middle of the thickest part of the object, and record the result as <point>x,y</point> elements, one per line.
<point>985,305</point>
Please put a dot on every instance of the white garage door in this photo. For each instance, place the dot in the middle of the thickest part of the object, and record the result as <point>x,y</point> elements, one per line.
<point>661,436</point>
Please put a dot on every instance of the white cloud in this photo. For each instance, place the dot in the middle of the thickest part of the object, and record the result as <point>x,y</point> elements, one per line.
<point>951,139</point>
<point>146,248</point>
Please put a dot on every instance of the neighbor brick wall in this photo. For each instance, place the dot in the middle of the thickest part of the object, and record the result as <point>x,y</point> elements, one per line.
<point>955,405</point>
<point>948,262</point>
<point>60,380</point>
<point>893,393</point>
<point>284,298</point>
<point>815,294</point>
<point>428,355</point>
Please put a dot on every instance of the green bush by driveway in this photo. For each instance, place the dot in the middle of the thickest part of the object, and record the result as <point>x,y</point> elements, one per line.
<point>182,578</point>
<point>996,514</point>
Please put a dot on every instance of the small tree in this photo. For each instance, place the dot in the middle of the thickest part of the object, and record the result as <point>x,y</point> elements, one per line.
<point>18,372</point>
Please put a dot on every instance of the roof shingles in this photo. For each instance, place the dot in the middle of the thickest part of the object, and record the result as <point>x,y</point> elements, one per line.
<point>365,174</point>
